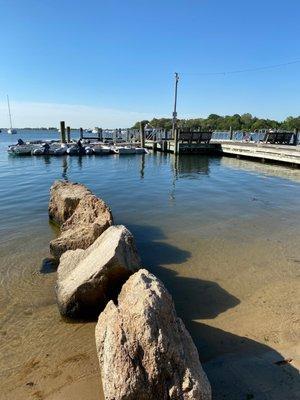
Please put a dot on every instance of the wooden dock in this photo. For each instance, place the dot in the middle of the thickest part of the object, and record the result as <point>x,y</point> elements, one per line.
<point>275,146</point>
<point>264,152</point>
<point>201,143</point>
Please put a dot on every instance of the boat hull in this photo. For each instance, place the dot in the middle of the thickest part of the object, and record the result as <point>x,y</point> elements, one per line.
<point>101,150</point>
<point>18,150</point>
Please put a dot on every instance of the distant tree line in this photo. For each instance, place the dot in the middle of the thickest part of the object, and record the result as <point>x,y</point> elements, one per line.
<point>237,122</point>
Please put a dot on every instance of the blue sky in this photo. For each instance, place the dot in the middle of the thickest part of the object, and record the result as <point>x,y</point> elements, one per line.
<point>112,62</point>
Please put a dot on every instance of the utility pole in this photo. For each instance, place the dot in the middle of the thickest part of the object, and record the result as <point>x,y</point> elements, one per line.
<point>174,125</point>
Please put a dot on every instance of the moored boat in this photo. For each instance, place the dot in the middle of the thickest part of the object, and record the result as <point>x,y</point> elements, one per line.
<point>11,130</point>
<point>88,151</point>
<point>60,151</point>
<point>20,150</point>
<point>73,150</point>
<point>101,150</point>
<point>124,150</point>
<point>141,150</point>
<point>38,151</point>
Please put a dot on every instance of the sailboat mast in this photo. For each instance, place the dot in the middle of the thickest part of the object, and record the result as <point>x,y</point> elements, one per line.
<point>9,112</point>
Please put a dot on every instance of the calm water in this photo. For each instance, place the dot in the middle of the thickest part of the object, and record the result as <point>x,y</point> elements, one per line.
<point>221,233</point>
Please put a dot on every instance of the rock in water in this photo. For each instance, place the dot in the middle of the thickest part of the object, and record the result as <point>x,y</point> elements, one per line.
<point>88,279</point>
<point>64,198</point>
<point>144,349</point>
<point>89,220</point>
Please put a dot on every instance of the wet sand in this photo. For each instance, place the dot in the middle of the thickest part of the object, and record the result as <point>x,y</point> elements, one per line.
<point>41,355</point>
<point>238,295</point>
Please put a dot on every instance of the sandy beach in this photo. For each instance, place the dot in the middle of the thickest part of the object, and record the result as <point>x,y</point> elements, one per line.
<point>238,296</point>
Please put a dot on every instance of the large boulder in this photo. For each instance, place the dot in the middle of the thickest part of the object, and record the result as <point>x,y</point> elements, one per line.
<point>144,349</point>
<point>88,221</point>
<point>64,198</point>
<point>88,279</point>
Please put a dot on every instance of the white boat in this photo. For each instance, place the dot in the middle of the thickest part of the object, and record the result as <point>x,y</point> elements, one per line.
<point>11,130</point>
<point>125,150</point>
<point>95,130</point>
<point>100,149</point>
<point>72,151</point>
<point>38,151</point>
<point>141,150</point>
<point>88,151</point>
<point>60,151</point>
<point>20,150</point>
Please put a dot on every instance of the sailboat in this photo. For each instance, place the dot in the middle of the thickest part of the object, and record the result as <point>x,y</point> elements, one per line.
<point>11,130</point>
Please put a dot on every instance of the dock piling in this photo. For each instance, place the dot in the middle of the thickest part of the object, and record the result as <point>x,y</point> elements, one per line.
<point>62,132</point>
<point>68,134</point>
<point>295,138</point>
<point>81,133</point>
<point>176,140</point>
<point>142,134</point>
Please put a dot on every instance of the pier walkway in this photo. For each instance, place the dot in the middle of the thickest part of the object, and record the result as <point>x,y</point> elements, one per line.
<point>279,147</point>
<point>264,152</point>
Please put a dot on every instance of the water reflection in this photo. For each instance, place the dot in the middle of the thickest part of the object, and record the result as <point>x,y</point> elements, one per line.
<point>47,159</point>
<point>142,170</point>
<point>191,166</point>
<point>65,167</point>
<point>79,158</point>
<point>187,167</point>
<point>260,168</point>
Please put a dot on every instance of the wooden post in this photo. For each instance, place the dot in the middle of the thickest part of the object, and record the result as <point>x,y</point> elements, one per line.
<point>68,134</point>
<point>101,134</point>
<point>295,138</point>
<point>142,134</point>
<point>231,133</point>
<point>62,132</point>
<point>81,133</point>
<point>176,140</point>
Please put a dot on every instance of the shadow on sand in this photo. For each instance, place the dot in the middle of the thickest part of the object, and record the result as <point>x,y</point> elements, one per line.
<point>238,367</point>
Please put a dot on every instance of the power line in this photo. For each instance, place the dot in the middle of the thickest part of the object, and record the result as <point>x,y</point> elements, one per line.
<point>240,71</point>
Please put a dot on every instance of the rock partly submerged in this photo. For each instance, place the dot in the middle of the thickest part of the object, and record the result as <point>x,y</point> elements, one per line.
<point>89,220</point>
<point>83,217</point>
<point>88,279</point>
<point>64,198</point>
<point>144,349</point>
